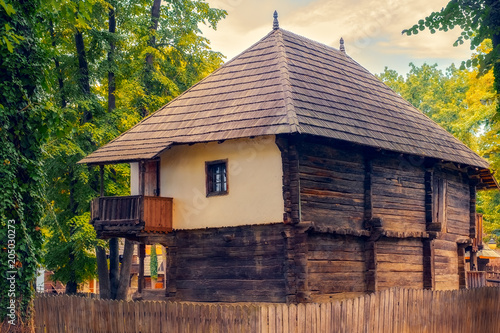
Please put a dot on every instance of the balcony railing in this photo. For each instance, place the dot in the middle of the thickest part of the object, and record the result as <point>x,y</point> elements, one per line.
<point>131,215</point>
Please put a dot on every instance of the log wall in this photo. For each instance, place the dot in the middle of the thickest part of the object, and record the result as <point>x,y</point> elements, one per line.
<point>399,263</point>
<point>235,264</point>
<point>336,264</point>
<point>398,194</point>
<point>355,220</point>
<point>331,185</point>
<point>457,204</point>
<point>446,265</point>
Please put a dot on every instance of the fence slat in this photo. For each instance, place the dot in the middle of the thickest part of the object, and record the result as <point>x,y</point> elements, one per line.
<point>395,310</point>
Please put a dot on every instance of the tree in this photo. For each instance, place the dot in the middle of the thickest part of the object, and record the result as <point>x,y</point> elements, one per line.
<point>101,86</point>
<point>23,109</point>
<point>479,21</point>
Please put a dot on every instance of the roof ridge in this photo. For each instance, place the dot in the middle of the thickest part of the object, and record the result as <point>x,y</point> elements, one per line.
<point>291,114</point>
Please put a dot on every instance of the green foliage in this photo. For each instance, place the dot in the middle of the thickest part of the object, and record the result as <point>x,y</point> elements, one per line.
<point>44,124</point>
<point>153,263</point>
<point>25,119</point>
<point>74,239</point>
<point>478,20</point>
<point>181,58</point>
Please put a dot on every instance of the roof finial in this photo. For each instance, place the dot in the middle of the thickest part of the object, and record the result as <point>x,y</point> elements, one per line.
<point>342,48</point>
<point>276,25</point>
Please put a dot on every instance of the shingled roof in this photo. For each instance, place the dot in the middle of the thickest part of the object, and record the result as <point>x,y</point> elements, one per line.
<point>286,83</point>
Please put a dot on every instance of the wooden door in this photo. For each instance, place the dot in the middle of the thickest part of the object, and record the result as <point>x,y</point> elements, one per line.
<point>151,178</point>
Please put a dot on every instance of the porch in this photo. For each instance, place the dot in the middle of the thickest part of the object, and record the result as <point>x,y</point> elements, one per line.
<point>130,216</point>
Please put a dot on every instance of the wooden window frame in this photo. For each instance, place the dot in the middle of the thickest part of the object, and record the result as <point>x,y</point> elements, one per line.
<point>208,178</point>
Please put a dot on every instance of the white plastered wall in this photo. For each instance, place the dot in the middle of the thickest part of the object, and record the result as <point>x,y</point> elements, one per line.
<point>254,178</point>
<point>134,178</point>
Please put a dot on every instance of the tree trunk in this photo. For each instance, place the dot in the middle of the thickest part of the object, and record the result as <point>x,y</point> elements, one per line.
<point>102,271</point>
<point>111,54</point>
<point>83,69</point>
<point>149,65</point>
<point>71,287</point>
<point>128,254</point>
<point>155,18</point>
<point>58,67</point>
<point>114,262</point>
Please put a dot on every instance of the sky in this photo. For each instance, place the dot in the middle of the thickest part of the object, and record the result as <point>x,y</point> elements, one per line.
<point>371,29</point>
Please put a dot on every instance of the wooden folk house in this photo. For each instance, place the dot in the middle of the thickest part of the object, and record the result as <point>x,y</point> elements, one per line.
<point>292,174</point>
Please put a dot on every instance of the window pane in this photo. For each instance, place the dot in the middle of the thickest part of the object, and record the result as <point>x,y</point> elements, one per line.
<point>217,178</point>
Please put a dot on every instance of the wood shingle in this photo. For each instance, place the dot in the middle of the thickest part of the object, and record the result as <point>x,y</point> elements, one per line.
<point>286,83</point>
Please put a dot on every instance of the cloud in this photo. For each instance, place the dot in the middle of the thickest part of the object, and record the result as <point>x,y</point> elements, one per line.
<point>370,28</point>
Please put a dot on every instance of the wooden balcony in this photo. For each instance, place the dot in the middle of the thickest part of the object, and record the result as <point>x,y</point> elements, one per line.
<point>131,216</point>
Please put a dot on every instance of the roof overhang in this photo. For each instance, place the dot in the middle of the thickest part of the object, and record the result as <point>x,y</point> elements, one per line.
<point>488,181</point>
<point>116,153</point>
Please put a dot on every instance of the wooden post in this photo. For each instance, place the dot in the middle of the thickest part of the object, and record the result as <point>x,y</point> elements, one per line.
<point>368,207</point>
<point>429,202</point>
<point>472,225</point>
<point>371,265</point>
<point>428,244</point>
<point>291,179</point>
<point>429,270</point>
<point>171,270</point>
<point>158,184</point>
<point>142,180</point>
<point>142,255</point>
<point>374,225</point>
<point>472,210</point>
<point>101,176</point>
<point>461,265</point>
<point>296,281</point>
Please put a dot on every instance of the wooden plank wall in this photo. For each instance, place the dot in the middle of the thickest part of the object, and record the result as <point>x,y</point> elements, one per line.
<point>398,194</point>
<point>446,264</point>
<point>230,264</point>
<point>457,205</point>
<point>399,263</point>
<point>335,264</point>
<point>393,310</point>
<point>331,185</point>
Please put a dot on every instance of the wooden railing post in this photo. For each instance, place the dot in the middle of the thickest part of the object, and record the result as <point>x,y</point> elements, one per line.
<point>142,255</point>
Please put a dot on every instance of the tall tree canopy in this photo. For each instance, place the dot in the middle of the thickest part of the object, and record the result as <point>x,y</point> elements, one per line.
<point>114,62</point>
<point>479,21</point>
<point>25,121</point>
<point>75,74</point>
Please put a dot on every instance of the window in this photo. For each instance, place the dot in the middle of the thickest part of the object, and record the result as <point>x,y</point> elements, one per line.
<point>216,177</point>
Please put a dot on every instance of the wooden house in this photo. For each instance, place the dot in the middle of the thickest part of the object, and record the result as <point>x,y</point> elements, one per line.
<point>292,174</point>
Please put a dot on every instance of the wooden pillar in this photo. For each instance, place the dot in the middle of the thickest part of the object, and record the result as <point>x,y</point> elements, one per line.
<point>296,282</point>
<point>372,224</point>
<point>472,210</point>
<point>429,191</point>
<point>142,255</point>
<point>291,179</point>
<point>294,182</point>
<point>429,268</point>
<point>158,184</point>
<point>368,205</point>
<point>428,244</point>
<point>461,265</point>
<point>101,180</point>
<point>171,271</point>
<point>142,180</point>
<point>473,232</point>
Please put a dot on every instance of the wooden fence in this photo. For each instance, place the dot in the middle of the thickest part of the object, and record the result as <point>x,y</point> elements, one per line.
<point>394,310</point>
<point>475,279</point>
